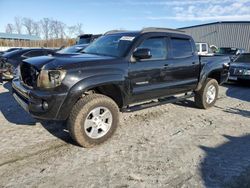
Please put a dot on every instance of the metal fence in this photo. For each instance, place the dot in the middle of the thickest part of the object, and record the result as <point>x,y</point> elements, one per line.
<point>52,43</point>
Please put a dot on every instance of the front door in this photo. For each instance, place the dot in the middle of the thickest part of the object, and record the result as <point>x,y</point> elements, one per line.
<point>146,76</point>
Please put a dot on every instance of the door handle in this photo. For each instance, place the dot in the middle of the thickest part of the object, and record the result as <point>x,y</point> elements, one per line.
<point>194,63</point>
<point>166,65</point>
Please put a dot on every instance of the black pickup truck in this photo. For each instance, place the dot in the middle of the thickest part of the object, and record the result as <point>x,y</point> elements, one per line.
<point>120,71</point>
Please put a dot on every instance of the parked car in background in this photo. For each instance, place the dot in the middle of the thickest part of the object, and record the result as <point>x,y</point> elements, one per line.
<point>10,60</point>
<point>9,50</point>
<point>72,49</point>
<point>203,49</point>
<point>231,52</point>
<point>240,68</point>
<point>86,38</point>
<point>123,71</point>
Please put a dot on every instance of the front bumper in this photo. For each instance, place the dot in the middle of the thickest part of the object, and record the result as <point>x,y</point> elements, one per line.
<point>237,77</point>
<point>33,101</point>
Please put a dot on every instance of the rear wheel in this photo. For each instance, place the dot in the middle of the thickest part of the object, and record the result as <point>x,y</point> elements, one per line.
<point>93,120</point>
<point>207,95</point>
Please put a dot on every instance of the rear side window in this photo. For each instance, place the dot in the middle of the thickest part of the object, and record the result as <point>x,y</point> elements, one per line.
<point>49,52</point>
<point>204,47</point>
<point>157,47</point>
<point>181,47</point>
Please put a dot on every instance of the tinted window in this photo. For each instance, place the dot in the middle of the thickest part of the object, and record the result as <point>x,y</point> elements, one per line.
<point>34,53</point>
<point>181,47</point>
<point>157,47</point>
<point>204,47</point>
<point>49,52</point>
<point>244,58</point>
<point>230,51</point>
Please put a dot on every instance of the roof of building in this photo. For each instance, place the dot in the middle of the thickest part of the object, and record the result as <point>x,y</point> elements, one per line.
<point>18,36</point>
<point>221,22</point>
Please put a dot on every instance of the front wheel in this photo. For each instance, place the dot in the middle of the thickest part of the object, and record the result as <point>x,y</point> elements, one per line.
<point>93,120</point>
<point>207,95</point>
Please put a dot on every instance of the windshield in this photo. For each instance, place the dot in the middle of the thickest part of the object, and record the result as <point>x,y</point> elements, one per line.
<point>83,39</point>
<point>244,58</point>
<point>71,49</point>
<point>111,45</point>
<point>227,51</point>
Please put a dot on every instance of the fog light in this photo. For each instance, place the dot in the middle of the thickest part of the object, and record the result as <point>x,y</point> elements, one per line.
<point>45,105</point>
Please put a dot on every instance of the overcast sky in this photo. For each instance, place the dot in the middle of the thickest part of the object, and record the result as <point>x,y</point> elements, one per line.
<point>99,16</point>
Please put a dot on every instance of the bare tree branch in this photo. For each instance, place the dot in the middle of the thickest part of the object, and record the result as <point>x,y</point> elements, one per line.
<point>28,24</point>
<point>45,27</point>
<point>9,28</point>
<point>18,25</point>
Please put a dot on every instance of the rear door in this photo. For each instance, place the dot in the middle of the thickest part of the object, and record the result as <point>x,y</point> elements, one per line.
<point>182,70</point>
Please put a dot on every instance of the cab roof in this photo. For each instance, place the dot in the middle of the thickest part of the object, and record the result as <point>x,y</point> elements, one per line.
<point>149,30</point>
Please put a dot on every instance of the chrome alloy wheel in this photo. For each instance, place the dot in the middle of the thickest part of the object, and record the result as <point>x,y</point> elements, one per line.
<point>98,122</point>
<point>211,93</point>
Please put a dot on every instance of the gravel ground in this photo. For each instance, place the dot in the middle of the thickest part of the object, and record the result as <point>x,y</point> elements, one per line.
<point>174,145</point>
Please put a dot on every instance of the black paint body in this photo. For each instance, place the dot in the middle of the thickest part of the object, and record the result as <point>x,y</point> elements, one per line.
<point>137,81</point>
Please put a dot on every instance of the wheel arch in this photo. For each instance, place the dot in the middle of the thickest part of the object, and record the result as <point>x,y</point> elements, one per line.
<point>109,85</point>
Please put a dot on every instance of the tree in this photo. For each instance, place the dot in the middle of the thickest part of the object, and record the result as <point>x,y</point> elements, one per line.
<point>45,27</point>
<point>75,30</point>
<point>18,25</point>
<point>28,24</point>
<point>79,29</point>
<point>36,29</point>
<point>71,31</point>
<point>9,28</point>
<point>56,29</point>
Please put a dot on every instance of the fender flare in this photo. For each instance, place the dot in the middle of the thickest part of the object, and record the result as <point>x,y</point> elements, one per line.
<point>83,86</point>
<point>206,70</point>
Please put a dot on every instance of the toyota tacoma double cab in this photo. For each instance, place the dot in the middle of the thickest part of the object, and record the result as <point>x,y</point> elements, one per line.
<point>120,71</point>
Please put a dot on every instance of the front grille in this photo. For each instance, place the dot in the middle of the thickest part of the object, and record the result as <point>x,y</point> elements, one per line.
<point>238,71</point>
<point>29,74</point>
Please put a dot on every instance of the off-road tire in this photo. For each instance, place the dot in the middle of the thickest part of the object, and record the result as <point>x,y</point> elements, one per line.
<point>200,96</point>
<point>80,112</point>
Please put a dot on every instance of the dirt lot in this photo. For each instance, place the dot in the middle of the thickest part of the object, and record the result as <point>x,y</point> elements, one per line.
<point>174,145</point>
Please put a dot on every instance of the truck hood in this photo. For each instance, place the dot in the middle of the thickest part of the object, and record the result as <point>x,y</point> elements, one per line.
<point>65,61</point>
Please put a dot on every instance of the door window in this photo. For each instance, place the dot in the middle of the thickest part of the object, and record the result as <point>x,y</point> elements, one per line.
<point>204,47</point>
<point>157,47</point>
<point>181,47</point>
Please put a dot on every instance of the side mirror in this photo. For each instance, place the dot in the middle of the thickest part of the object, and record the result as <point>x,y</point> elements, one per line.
<point>238,52</point>
<point>142,53</point>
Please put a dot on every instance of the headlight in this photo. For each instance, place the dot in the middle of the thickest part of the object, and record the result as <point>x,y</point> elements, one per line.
<point>50,78</point>
<point>247,72</point>
<point>8,70</point>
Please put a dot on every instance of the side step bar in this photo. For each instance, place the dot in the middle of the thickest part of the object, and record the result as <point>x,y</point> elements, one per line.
<point>157,102</point>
